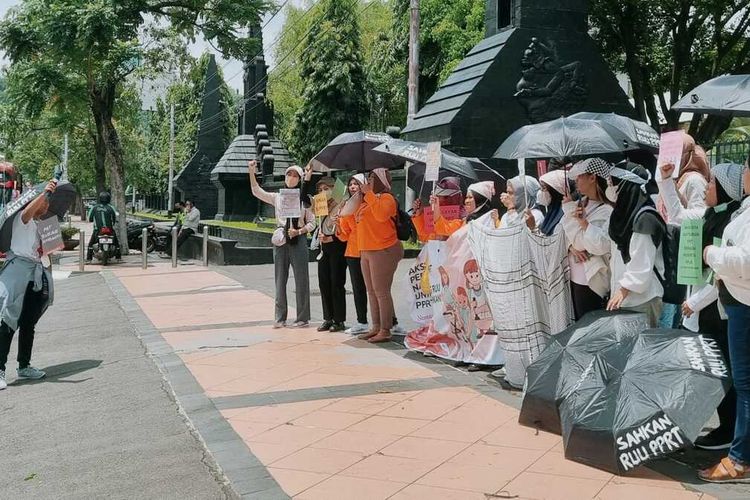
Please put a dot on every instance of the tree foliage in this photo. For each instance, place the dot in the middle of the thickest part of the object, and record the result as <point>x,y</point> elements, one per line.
<point>331,69</point>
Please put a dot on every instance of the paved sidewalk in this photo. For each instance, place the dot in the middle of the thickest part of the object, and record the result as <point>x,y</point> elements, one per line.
<point>103,424</point>
<point>296,413</point>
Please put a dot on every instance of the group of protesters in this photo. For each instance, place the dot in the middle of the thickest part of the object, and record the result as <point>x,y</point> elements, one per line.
<point>610,225</point>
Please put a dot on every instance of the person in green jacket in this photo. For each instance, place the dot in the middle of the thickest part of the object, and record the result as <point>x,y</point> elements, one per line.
<point>103,215</point>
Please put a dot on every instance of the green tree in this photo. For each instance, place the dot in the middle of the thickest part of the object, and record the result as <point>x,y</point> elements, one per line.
<point>668,47</point>
<point>331,68</point>
<point>90,48</point>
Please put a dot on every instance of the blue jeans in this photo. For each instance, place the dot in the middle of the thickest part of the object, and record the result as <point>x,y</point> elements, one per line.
<point>739,354</point>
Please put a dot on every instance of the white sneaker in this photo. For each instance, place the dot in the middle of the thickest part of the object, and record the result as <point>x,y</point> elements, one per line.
<point>3,383</point>
<point>30,373</point>
<point>398,330</point>
<point>358,328</point>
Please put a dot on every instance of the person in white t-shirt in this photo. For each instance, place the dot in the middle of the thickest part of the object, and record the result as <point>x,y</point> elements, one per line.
<point>25,287</point>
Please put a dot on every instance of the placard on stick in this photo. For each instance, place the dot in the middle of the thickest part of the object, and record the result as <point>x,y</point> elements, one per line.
<point>290,205</point>
<point>320,205</point>
<point>50,235</point>
<point>690,258</point>
<point>447,212</point>
<point>434,158</point>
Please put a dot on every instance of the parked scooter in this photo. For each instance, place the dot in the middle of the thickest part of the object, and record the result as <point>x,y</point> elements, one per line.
<point>135,235</point>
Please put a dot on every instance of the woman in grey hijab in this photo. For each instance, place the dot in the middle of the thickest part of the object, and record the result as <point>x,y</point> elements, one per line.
<point>520,200</point>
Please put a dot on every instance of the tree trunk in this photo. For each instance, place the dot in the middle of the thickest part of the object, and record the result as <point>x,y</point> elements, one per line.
<point>102,104</point>
<point>100,160</point>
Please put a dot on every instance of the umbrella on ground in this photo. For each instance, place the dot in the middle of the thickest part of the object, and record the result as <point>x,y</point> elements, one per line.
<point>639,134</point>
<point>355,151</point>
<point>553,375</point>
<point>469,170</point>
<point>642,399</point>
<point>59,202</point>
<point>564,137</point>
<point>724,95</point>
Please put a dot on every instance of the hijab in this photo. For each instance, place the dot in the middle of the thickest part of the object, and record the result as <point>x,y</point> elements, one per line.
<point>729,194</point>
<point>530,190</point>
<point>381,181</point>
<point>558,186</point>
<point>483,193</point>
<point>448,191</point>
<point>694,159</point>
<point>635,189</point>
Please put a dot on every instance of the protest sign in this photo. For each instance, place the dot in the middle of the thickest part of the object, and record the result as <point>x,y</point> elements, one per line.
<point>290,205</point>
<point>424,282</point>
<point>541,168</point>
<point>339,191</point>
<point>434,157</point>
<point>447,212</point>
<point>320,205</point>
<point>50,236</point>
<point>690,258</point>
<point>670,151</point>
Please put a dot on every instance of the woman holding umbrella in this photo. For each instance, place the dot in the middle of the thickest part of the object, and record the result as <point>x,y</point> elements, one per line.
<point>380,250</point>
<point>26,287</point>
<point>637,231</point>
<point>586,224</point>
<point>447,193</point>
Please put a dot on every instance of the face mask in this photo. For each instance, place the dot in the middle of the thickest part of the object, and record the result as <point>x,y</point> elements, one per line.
<point>543,198</point>
<point>611,193</point>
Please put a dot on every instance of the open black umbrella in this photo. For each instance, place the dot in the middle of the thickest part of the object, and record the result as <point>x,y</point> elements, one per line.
<point>553,375</point>
<point>724,95</point>
<point>642,399</point>
<point>354,151</point>
<point>469,170</point>
<point>563,138</point>
<point>59,203</point>
<point>639,133</point>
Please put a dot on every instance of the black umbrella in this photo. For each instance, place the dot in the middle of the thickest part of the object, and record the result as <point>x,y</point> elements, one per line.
<point>59,202</point>
<point>564,137</point>
<point>639,134</point>
<point>355,151</point>
<point>469,170</point>
<point>642,399</point>
<point>723,95</point>
<point>552,376</point>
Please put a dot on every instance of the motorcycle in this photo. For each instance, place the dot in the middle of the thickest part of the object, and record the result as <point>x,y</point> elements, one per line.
<point>135,235</point>
<point>104,246</point>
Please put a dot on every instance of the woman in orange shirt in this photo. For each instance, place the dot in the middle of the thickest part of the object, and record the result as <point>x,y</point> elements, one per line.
<point>447,193</point>
<point>380,251</point>
<point>347,231</point>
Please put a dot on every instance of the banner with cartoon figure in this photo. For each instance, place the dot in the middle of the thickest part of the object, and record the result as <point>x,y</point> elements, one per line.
<point>460,328</point>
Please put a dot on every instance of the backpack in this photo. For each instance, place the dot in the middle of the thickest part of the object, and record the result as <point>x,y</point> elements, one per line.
<point>670,247</point>
<point>404,226</point>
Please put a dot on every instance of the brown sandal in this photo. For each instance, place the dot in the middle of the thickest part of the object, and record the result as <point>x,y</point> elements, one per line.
<point>726,471</point>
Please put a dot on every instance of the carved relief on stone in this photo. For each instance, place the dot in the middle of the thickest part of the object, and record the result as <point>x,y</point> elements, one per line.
<point>548,88</point>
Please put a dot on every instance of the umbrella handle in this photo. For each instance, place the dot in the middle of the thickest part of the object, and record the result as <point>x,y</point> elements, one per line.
<point>58,176</point>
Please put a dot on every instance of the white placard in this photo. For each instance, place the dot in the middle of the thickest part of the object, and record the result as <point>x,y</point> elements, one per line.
<point>434,158</point>
<point>290,205</point>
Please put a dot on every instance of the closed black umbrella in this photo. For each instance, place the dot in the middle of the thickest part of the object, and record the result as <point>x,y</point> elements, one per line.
<point>563,138</point>
<point>469,170</point>
<point>354,151</point>
<point>553,375</point>
<point>642,399</point>
<point>639,133</point>
<point>727,95</point>
<point>59,203</point>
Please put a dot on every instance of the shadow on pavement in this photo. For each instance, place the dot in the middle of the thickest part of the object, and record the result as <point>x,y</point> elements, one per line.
<point>57,372</point>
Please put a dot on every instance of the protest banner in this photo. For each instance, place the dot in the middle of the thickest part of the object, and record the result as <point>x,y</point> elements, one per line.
<point>670,151</point>
<point>320,205</point>
<point>434,158</point>
<point>423,279</point>
<point>50,235</point>
<point>290,205</point>
<point>690,258</point>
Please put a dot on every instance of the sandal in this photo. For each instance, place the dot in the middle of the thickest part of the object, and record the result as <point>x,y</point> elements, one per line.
<point>382,336</point>
<point>726,471</point>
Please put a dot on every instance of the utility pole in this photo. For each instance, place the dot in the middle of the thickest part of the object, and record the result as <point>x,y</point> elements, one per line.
<point>170,203</point>
<point>413,61</point>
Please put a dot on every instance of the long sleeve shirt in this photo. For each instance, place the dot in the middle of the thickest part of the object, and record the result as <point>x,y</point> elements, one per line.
<point>376,228</point>
<point>638,275</point>
<point>192,219</point>
<point>731,261</point>
<point>306,222</point>
<point>594,240</point>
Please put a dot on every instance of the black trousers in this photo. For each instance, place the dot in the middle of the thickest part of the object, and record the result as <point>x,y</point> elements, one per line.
<point>585,300</point>
<point>92,240</point>
<point>359,289</point>
<point>182,237</point>
<point>710,322</point>
<point>332,281</point>
<point>33,307</point>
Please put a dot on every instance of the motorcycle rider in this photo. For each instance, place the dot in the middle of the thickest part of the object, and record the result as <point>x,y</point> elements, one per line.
<point>103,215</point>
